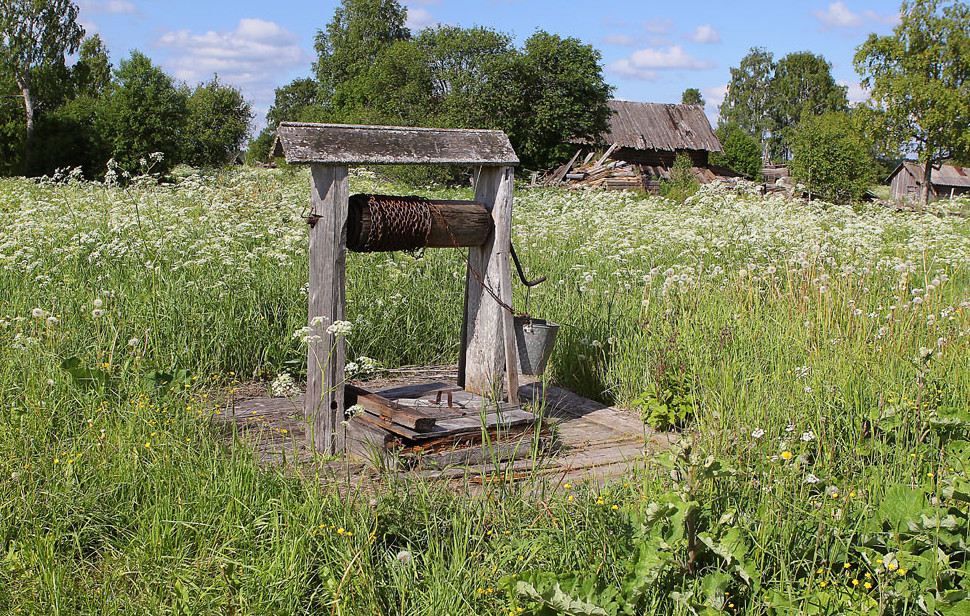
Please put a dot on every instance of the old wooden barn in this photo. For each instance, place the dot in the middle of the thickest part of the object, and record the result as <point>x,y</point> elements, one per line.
<point>906,182</point>
<point>640,148</point>
<point>653,133</point>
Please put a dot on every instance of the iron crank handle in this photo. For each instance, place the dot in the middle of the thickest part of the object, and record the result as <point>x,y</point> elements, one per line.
<point>518,267</point>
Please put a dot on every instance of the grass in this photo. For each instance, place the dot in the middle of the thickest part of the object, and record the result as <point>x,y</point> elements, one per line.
<point>824,352</point>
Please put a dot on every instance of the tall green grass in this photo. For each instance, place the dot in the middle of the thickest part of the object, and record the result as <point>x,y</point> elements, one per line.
<point>822,389</point>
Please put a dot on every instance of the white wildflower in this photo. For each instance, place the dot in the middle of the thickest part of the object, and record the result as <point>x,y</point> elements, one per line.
<point>340,328</point>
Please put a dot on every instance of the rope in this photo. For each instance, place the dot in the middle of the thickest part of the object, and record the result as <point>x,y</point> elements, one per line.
<point>397,223</point>
<point>404,223</point>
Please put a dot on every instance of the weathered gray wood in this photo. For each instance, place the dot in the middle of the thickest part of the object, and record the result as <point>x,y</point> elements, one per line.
<point>365,441</point>
<point>521,448</point>
<point>388,410</point>
<point>565,169</point>
<point>606,155</point>
<point>484,344</point>
<point>344,144</point>
<point>325,358</point>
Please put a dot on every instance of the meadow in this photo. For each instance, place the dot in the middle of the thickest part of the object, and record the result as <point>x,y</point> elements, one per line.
<point>815,359</point>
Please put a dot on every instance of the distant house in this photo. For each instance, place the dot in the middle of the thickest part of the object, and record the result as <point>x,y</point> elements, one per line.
<point>906,182</point>
<point>653,133</point>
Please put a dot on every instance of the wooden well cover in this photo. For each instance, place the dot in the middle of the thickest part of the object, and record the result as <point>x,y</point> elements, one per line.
<point>347,144</point>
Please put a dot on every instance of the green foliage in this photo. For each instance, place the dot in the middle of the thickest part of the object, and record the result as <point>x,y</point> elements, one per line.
<point>354,39</point>
<point>91,74</point>
<point>918,78</point>
<point>767,99</point>
<point>833,157</point>
<point>748,100</point>
<point>217,122</point>
<point>558,95</point>
<point>669,404</point>
<point>76,134</point>
<point>34,36</point>
<point>802,86</point>
<point>741,151</point>
<point>370,70</point>
<point>147,114</point>
<point>692,96</point>
<point>682,183</point>
<point>680,548</point>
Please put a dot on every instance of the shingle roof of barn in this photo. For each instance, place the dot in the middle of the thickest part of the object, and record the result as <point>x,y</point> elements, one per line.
<point>660,126</point>
<point>943,175</point>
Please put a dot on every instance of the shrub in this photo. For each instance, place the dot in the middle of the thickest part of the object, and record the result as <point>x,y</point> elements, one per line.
<point>741,151</point>
<point>832,157</point>
<point>682,183</point>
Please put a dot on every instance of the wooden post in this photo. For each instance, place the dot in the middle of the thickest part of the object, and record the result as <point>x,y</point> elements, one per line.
<point>324,406</point>
<point>488,344</point>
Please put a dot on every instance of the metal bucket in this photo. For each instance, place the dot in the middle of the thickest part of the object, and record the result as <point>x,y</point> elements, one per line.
<point>534,339</point>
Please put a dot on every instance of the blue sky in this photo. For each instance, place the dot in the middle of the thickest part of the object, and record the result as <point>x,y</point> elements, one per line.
<point>651,50</point>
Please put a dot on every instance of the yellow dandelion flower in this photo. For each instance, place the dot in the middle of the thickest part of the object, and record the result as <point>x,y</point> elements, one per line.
<point>902,572</point>
<point>867,585</point>
<point>855,582</point>
<point>787,455</point>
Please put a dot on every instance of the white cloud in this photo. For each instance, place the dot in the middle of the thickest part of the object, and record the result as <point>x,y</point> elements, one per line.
<point>419,18</point>
<point>715,95</point>
<point>611,22</point>
<point>838,15</point>
<point>644,64</point>
<point>889,20</point>
<point>704,34</point>
<point>659,26</point>
<point>619,39</point>
<point>104,7</point>
<point>253,57</point>
<point>855,92</point>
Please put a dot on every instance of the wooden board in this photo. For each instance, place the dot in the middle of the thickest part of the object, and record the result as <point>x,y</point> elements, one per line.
<point>326,357</point>
<point>485,356</point>
<point>346,144</point>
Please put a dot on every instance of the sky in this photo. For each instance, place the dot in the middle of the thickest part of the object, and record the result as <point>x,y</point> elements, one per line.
<point>652,51</point>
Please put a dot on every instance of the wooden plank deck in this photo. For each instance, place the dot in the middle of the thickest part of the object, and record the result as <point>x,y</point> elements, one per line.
<point>580,438</point>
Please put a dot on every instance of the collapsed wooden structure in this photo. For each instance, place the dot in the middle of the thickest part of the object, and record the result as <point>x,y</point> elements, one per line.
<point>488,360</point>
<point>643,141</point>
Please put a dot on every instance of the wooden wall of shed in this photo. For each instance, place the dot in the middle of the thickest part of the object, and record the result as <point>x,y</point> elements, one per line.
<point>904,187</point>
<point>659,158</point>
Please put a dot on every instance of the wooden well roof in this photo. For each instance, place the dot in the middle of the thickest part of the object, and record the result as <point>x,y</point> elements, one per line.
<point>943,175</point>
<point>660,126</point>
<point>347,144</point>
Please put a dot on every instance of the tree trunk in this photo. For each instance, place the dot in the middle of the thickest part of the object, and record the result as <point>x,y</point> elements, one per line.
<point>927,176</point>
<point>24,85</point>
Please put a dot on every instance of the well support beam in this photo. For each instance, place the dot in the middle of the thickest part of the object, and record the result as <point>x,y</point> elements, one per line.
<point>488,344</point>
<point>324,406</point>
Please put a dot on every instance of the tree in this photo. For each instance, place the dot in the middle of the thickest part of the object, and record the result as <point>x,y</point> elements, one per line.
<point>295,102</point>
<point>147,114</point>
<point>692,96</point>
<point>359,32</point>
<point>767,98</point>
<point>35,34</point>
<point>918,78</point>
<point>217,124</point>
<point>555,94</point>
<point>741,152</point>
<point>833,157</point>
<point>748,99</point>
<point>91,73</point>
<point>801,86</point>
<point>464,66</point>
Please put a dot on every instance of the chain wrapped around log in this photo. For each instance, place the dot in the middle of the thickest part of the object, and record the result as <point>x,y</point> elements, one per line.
<point>382,223</point>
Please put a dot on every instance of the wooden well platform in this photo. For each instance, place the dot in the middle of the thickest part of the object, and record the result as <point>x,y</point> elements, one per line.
<point>567,435</point>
